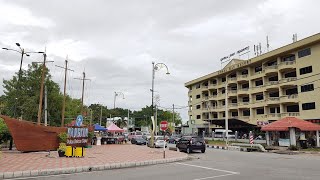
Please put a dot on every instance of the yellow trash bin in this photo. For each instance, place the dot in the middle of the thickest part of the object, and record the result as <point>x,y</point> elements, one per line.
<point>79,152</point>
<point>69,151</point>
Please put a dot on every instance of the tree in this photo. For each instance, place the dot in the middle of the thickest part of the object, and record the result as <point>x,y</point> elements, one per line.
<point>22,98</point>
<point>4,132</point>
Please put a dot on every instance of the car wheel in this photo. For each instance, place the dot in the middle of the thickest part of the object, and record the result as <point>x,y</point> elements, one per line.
<point>203,150</point>
<point>188,150</point>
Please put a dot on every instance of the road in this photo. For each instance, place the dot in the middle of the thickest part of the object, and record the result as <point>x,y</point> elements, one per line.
<point>216,164</point>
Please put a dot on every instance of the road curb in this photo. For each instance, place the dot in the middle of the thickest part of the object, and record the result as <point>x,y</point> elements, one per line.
<point>79,169</point>
<point>230,148</point>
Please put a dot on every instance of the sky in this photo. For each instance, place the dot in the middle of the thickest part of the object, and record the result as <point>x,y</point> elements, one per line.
<point>116,41</point>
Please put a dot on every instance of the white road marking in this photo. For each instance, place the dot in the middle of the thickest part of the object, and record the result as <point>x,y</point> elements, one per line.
<point>214,176</point>
<point>213,169</point>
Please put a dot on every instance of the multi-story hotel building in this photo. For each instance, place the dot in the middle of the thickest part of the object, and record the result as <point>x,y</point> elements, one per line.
<point>280,83</point>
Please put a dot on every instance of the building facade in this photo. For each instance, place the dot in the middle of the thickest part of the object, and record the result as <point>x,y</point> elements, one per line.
<point>280,83</point>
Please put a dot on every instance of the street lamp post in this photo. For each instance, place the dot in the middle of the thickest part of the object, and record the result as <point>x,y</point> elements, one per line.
<point>155,67</point>
<point>115,97</point>
<point>22,52</point>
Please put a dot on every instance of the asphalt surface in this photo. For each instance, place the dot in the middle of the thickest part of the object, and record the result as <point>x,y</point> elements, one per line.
<point>216,164</point>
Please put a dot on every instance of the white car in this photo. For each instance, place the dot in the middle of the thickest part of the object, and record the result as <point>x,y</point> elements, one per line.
<point>158,142</point>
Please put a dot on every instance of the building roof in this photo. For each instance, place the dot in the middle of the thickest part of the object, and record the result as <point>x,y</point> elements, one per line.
<point>237,64</point>
<point>287,122</point>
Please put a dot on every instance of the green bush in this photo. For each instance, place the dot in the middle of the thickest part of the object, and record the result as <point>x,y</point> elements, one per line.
<point>62,147</point>
<point>62,137</point>
<point>293,148</point>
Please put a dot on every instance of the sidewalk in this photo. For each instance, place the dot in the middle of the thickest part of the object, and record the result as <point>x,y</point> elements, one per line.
<point>16,164</point>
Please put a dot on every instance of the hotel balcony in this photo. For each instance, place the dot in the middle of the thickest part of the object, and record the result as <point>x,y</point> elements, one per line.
<point>205,98</point>
<point>291,81</point>
<point>259,117</point>
<point>243,104</point>
<point>233,106</point>
<point>232,80</point>
<point>272,85</point>
<point>286,65</point>
<point>212,86</point>
<point>243,91</point>
<point>273,100</point>
<point>270,69</point>
<point>289,98</point>
<point>232,93</point>
<point>257,89</point>
<point>222,84</point>
<point>243,77</point>
<point>259,103</point>
<point>244,118</point>
<point>213,97</point>
<point>290,114</point>
<point>273,116</point>
<point>257,75</point>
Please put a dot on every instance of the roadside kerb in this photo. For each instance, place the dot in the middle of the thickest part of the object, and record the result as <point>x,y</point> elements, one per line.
<point>109,166</point>
<point>232,148</point>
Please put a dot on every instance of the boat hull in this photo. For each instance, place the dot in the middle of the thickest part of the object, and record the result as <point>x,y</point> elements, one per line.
<point>28,136</point>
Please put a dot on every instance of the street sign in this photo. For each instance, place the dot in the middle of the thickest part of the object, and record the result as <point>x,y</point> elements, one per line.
<point>164,125</point>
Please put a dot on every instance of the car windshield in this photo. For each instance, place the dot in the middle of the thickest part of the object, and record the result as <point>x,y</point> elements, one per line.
<point>138,133</point>
<point>139,139</point>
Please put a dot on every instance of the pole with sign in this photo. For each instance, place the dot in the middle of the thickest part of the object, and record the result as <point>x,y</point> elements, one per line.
<point>164,127</point>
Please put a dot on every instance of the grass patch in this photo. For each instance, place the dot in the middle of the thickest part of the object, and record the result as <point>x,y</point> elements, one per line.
<point>312,149</point>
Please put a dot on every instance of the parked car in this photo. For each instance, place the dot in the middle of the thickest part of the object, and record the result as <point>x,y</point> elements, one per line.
<point>174,139</point>
<point>138,141</point>
<point>158,142</point>
<point>220,133</point>
<point>135,134</point>
<point>191,143</point>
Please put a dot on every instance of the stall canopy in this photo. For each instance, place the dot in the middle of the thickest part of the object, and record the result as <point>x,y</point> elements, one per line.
<point>114,128</point>
<point>287,122</point>
<point>97,127</point>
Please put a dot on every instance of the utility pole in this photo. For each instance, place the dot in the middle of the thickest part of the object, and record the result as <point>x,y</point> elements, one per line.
<point>226,112</point>
<point>91,118</point>
<point>173,114</point>
<point>100,114</point>
<point>64,90</point>
<point>156,120</point>
<point>83,79</point>
<point>45,106</point>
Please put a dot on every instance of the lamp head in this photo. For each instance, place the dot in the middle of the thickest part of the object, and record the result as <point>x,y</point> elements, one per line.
<point>5,48</point>
<point>41,52</point>
<point>167,73</point>
<point>18,44</point>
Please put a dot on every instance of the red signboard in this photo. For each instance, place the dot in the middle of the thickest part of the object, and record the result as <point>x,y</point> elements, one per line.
<point>164,125</point>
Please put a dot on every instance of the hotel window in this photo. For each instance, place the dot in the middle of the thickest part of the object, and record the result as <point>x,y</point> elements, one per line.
<point>245,99</point>
<point>289,58</point>
<point>246,113</point>
<point>214,81</point>
<point>215,115</point>
<point>259,97</point>
<point>198,116</point>
<point>198,96</point>
<point>274,94</point>
<point>260,111</point>
<point>234,101</point>
<point>197,86</point>
<point>198,106</point>
<point>290,74</point>
<point>308,106</point>
<point>223,79</point>
<point>234,113</point>
<point>258,69</point>
<point>293,108</point>
<point>223,91</point>
<point>244,72</point>
<point>274,78</point>
<point>305,52</point>
<point>259,83</point>
<point>245,86</point>
<point>292,91</point>
<point>306,88</point>
<point>272,63</point>
<point>275,110</point>
<point>306,70</point>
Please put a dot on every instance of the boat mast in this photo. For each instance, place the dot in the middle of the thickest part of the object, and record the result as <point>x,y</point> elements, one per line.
<point>82,79</point>
<point>64,90</point>
<point>41,88</point>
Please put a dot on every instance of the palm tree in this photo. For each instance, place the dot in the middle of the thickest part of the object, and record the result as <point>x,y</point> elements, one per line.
<point>121,122</point>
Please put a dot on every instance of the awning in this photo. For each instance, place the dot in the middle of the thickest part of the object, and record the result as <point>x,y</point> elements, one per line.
<point>287,122</point>
<point>233,123</point>
<point>114,128</point>
<point>97,127</point>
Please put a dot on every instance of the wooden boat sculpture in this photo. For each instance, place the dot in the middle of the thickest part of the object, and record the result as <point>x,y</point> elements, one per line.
<point>29,136</point>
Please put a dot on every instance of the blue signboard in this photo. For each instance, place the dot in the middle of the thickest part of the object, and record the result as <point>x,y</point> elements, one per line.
<point>79,120</point>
